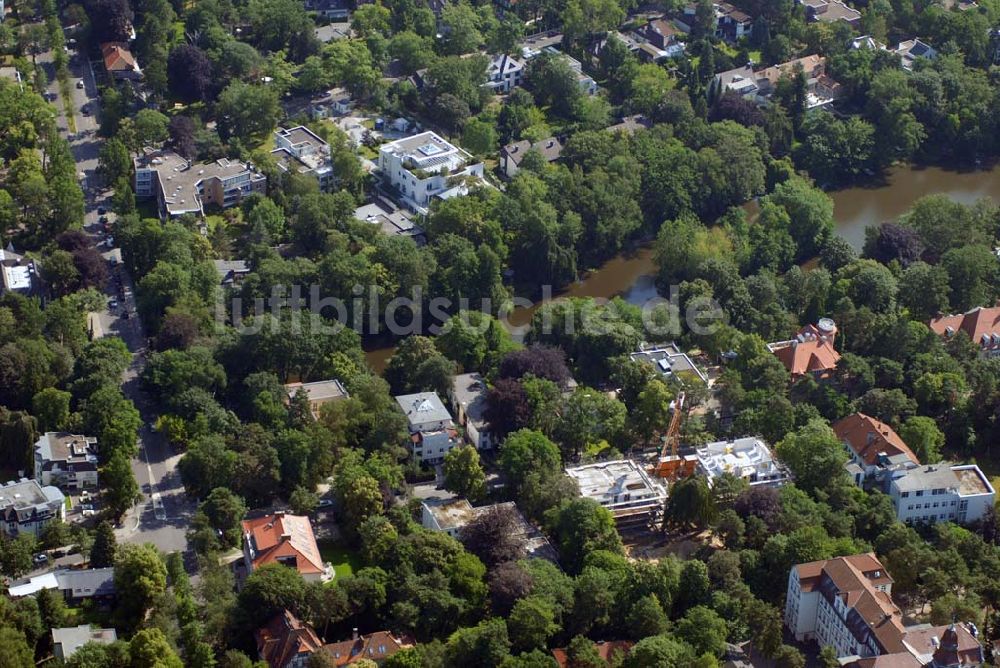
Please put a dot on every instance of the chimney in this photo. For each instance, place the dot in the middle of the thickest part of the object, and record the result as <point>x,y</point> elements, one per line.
<point>354,633</point>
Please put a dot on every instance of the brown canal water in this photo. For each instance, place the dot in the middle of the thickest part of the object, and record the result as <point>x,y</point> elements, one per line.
<point>631,275</point>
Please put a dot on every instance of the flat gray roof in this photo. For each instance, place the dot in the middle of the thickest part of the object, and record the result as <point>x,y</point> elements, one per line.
<point>23,494</point>
<point>320,390</point>
<point>967,480</point>
<point>73,638</point>
<point>61,446</point>
<point>469,390</point>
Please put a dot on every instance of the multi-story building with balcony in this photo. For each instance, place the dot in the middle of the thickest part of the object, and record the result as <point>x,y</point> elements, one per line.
<point>425,166</point>
<point>181,187</point>
<point>302,151</point>
<point>67,461</point>
<point>846,603</point>
<point>27,507</point>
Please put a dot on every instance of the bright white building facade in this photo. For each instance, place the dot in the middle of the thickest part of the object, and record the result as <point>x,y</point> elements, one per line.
<point>941,493</point>
<point>425,166</point>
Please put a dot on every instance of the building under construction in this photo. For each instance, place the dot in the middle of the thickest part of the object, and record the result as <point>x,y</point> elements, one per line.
<point>634,497</point>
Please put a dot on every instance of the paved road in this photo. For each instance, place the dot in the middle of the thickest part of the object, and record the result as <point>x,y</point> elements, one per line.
<point>163,514</point>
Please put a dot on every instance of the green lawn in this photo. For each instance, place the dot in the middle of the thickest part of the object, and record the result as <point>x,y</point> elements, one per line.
<point>344,561</point>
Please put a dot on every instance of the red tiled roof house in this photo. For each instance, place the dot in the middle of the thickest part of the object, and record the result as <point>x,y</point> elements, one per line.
<point>377,647</point>
<point>285,539</point>
<point>981,324</point>
<point>286,642</point>
<point>872,445</point>
<point>811,352</point>
<point>119,61</point>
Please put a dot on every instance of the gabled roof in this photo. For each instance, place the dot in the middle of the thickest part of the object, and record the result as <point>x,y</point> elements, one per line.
<point>282,538</point>
<point>811,351</point>
<point>808,357</point>
<point>810,65</point>
<point>550,149</point>
<point>869,438</point>
<point>978,323</point>
<point>118,58</point>
<point>376,647</point>
<point>854,579</point>
<point>284,638</point>
<point>950,644</point>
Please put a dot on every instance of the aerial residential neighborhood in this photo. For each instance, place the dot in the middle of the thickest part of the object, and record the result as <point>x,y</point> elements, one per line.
<point>499,334</point>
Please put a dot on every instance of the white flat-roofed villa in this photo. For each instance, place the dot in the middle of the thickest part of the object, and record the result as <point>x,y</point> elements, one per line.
<point>426,166</point>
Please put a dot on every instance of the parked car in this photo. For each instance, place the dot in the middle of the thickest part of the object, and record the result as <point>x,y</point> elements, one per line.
<point>79,84</point>
<point>325,503</point>
<point>103,220</point>
<point>86,506</point>
<point>112,304</point>
<point>89,513</point>
<point>41,558</point>
<point>101,210</point>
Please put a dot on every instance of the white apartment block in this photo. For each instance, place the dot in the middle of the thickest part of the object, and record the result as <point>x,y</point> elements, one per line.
<point>302,151</point>
<point>941,493</point>
<point>504,73</point>
<point>425,166</point>
<point>68,461</point>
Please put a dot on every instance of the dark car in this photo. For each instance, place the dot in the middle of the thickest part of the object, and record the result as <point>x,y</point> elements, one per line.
<point>101,210</point>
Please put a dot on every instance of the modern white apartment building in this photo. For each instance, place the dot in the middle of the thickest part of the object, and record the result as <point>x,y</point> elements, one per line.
<point>302,151</point>
<point>425,166</point>
<point>67,461</point>
<point>181,187</point>
<point>941,492</point>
